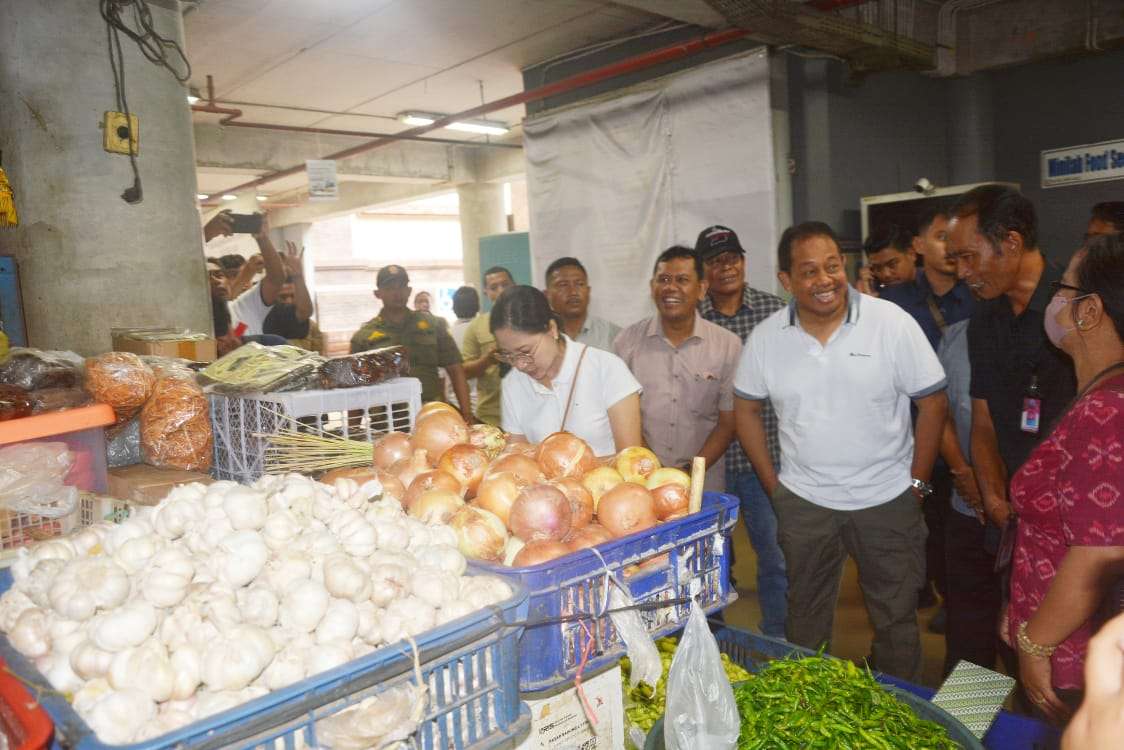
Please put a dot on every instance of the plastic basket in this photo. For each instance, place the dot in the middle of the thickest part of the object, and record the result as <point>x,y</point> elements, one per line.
<point>675,560</point>
<point>469,666</point>
<point>359,413</point>
<point>20,529</point>
<point>23,722</point>
<point>754,651</point>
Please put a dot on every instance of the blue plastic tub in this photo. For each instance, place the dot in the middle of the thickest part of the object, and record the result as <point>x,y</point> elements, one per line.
<point>754,652</point>
<point>697,562</point>
<point>469,664</point>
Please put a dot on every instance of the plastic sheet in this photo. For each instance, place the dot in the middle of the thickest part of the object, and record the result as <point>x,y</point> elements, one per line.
<point>254,368</point>
<point>365,368</point>
<point>122,447</point>
<point>32,479</point>
<point>33,369</point>
<point>121,380</point>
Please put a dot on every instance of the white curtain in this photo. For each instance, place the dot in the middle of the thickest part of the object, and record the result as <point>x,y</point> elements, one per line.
<point>615,182</point>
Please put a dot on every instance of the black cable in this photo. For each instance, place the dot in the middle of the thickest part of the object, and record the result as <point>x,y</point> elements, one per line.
<point>135,193</point>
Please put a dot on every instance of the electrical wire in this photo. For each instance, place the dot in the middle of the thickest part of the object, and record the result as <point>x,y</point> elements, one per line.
<point>154,47</point>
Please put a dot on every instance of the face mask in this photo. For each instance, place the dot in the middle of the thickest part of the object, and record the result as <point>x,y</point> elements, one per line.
<point>1054,330</point>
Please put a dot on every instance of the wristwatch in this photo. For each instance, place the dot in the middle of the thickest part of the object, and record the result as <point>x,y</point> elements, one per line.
<point>923,488</point>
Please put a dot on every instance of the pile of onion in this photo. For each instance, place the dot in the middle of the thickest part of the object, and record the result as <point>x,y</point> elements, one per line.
<point>437,432</point>
<point>542,511</point>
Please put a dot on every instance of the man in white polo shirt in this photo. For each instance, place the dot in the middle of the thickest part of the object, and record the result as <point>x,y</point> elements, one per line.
<point>841,369</point>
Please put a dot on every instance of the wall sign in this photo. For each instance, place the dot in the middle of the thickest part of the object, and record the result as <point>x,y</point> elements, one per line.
<point>1094,162</point>
<point>322,182</point>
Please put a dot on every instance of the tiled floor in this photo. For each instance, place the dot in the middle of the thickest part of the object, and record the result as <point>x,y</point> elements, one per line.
<point>851,634</point>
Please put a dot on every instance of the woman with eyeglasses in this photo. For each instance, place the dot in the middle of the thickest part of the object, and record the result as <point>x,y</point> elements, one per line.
<point>559,384</point>
<point>1069,495</point>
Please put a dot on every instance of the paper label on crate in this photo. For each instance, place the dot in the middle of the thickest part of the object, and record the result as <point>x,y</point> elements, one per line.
<point>559,721</point>
<point>719,544</point>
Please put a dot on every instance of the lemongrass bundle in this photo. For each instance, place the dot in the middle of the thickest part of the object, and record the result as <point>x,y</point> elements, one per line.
<point>291,450</point>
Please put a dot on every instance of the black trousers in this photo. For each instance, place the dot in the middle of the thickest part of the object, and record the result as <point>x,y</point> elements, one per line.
<point>936,509</point>
<point>973,597</point>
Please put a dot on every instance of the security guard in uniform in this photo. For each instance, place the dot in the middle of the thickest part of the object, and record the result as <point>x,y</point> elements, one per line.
<point>428,342</point>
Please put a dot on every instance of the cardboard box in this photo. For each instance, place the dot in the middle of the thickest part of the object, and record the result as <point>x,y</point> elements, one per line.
<point>147,485</point>
<point>165,342</point>
<point>560,722</point>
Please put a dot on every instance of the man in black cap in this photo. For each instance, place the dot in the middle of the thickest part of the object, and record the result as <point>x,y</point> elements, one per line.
<point>738,307</point>
<point>428,341</point>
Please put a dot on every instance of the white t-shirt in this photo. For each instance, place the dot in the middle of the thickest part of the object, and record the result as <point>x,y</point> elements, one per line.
<point>843,409</point>
<point>535,411</point>
<point>249,308</point>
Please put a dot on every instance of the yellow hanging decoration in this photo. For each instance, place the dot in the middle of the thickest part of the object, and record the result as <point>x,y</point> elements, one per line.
<point>8,216</point>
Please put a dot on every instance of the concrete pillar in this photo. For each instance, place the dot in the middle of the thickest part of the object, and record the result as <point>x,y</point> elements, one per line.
<point>972,136</point>
<point>89,261</point>
<point>481,213</point>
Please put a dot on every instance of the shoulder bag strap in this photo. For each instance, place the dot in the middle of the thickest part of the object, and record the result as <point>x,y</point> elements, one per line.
<point>938,316</point>
<point>573,385</point>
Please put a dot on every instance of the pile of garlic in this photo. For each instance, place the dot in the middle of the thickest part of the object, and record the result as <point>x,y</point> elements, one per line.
<point>222,593</point>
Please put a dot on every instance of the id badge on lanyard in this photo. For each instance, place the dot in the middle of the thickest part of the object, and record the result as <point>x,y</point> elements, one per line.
<point>1031,417</point>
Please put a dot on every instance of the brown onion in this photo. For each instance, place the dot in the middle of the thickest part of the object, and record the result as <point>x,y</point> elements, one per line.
<point>467,463</point>
<point>391,485</point>
<point>436,506</point>
<point>480,535</point>
<point>408,468</point>
<point>437,432</point>
<point>496,494</point>
<point>487,438</point>
<point>541,511</point>
<point>521,447</point>
<point>565,455</point>
<point>588,536</point>
<point>671,491</point>
<point>392,447</point>
<point>636,463</point>
<point>627,509</point>
<point>433,407</point>
<point>671,501</point>
<point>538,552</point>
<point>525,469</point>
<point>429,480</point>
<point>360,474</point>
<point>581,501</point>
<point>601,480</point>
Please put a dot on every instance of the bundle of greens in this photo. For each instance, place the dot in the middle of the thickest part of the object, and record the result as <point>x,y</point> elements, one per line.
<point>820,702</point>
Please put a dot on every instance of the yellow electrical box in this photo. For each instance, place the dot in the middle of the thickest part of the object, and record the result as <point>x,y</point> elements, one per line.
<point>119,133</point>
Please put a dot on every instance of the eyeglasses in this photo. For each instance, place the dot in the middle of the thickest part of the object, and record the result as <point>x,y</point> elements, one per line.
<point>1057,286</point>
<point>519,358</point>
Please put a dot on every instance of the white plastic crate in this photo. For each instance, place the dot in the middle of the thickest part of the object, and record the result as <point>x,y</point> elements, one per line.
<point>359,413</point>
<point>20,529</point>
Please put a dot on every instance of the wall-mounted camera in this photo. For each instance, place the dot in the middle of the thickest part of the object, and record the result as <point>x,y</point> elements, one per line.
<point>924,187</point>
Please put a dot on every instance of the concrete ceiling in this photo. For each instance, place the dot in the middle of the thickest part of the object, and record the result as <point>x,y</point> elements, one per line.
<point>356,64</point>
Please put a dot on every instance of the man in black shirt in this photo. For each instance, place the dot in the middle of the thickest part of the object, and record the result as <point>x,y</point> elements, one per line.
<point>1020,383</point>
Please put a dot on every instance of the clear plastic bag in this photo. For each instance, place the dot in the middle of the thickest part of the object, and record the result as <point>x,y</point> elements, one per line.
<point>365,368</point>
<point>642,652</point>
<point>122,446</point>
<point>175,424</point>
<point>701,711</point>
<point>32,369</point>
<point>121,380</point>
<point>31,479</point>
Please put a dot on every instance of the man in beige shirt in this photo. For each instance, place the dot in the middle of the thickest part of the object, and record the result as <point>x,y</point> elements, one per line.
<point>479,350</point>
<point>686,365</point>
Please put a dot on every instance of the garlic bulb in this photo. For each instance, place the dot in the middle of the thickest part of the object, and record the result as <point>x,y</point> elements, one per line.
<point>325,656</point>
<point>259,606</point>
<point>125,627</point>
<point>146,668</point>
<point>240,557</point>
<point>88,661</point>
<point>391,535</point>
<point>187,671</point>
<point>38,582</point>
<point>87,585</point>
<point>134,554</point>
<point>435,587</point>
<point>442,557</point>
<point>168,577</point>
<point>12,604</point>
<point>246,508</point>
<point>280,529</point>
<point>303,606</point>
<point>388,582</point>
<point>355,533</point>
<point>179,512</point>
<point>407,616</point>
<point>233,662</point>
<point>133,528</point>
<point>452,610</point>
<point>120,715</point>
<point>287,569</point>
<point>285,669</point>
<point>339,624</point>
<point>31,635</point>
<point>346,579</point>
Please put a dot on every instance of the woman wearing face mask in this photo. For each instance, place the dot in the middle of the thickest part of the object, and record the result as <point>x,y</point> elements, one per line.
<point>1069,495</point>
<point>558,384</point>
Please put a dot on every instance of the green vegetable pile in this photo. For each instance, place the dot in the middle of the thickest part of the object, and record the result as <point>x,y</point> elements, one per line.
<point>818,702</point>
<point>644,705</point>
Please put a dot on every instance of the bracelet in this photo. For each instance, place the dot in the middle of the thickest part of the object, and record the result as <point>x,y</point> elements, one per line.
<point>1029,647</point>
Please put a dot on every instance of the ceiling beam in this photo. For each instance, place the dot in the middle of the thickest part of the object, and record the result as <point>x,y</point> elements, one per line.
<point>695,12</point>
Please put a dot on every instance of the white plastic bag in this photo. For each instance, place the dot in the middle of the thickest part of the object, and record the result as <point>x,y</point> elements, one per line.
<point>701,712</point>
<point>642,651</point>
<point>32,479</point>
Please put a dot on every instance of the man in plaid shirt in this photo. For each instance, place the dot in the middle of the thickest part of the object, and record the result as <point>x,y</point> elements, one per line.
<point>738,307</point>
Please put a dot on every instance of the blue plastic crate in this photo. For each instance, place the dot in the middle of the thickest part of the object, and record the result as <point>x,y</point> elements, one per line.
<point>753,652</point>
<point>469,665</point>
<point>697,550</point>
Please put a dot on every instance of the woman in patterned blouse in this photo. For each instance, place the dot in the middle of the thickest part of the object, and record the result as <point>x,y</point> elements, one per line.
<point>1069,495</point>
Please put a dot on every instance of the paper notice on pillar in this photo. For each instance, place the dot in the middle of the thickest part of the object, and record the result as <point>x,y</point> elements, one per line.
<point>322,182</point>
